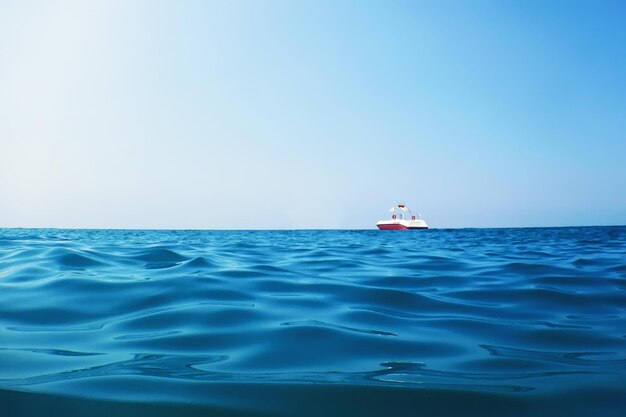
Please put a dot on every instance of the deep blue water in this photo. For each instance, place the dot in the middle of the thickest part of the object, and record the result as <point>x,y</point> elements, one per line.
<point>470,322</point>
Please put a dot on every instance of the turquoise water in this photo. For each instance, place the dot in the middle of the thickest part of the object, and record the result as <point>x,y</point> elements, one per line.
<point>470,322</point>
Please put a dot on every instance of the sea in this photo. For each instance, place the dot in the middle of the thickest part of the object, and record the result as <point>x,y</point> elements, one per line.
<point>439,322</point>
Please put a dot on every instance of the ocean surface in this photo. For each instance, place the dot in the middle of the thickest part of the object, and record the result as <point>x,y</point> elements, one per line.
<point>466,322</point>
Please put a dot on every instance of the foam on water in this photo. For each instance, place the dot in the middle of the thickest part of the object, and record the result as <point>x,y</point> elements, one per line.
<point>437,322</point>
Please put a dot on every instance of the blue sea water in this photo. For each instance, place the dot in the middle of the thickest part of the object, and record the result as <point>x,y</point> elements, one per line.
<point>469,322</point>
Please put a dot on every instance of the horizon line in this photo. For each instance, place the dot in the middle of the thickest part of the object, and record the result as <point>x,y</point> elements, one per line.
<point>148,229</point>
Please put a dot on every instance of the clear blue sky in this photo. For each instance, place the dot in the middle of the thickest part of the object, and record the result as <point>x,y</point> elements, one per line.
<point>311,114</point>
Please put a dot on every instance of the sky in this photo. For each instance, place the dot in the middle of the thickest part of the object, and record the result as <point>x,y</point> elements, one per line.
<point>312,114</point>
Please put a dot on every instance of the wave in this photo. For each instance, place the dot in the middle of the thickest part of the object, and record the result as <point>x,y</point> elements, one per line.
<point>511,320</point>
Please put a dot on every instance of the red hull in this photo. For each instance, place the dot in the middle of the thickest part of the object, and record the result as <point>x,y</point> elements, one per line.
<point>392,227</point>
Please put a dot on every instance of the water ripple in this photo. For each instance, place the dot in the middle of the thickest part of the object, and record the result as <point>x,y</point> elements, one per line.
<point>157,315</point>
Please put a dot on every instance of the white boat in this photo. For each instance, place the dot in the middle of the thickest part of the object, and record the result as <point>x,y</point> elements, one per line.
<point>402,219</point>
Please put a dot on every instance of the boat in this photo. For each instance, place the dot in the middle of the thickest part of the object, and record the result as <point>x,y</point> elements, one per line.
<point>402,219</point>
